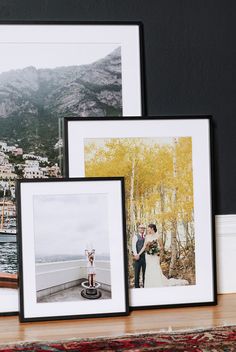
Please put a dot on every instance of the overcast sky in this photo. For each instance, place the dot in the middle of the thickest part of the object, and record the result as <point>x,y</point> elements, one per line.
<point>50,55</point>
<point>68,224</point>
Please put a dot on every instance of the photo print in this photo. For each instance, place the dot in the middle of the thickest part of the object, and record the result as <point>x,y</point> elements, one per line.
<point>160,208</point>
<point>71,246</point>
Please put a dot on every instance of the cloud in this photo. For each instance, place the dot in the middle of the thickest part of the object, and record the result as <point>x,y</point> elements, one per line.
<point>67,224</point>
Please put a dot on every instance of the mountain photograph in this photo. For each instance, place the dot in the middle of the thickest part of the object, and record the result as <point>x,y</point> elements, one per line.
<point>39,85</point>
<point>33,99</point>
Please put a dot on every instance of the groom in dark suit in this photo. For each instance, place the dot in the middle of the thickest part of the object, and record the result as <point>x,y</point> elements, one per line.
<point>140,261</point>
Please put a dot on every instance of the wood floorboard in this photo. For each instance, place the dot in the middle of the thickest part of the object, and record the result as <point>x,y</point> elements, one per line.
<point>137,322</point>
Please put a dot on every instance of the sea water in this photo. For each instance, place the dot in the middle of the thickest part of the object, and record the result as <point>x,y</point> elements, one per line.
<point>8,258</point>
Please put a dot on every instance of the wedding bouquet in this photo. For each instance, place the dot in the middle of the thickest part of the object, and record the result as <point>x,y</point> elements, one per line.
<point>152,247</point>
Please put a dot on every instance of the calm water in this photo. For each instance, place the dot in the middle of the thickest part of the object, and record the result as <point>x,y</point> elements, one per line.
<point>64,258</point>
<point>8,258</point>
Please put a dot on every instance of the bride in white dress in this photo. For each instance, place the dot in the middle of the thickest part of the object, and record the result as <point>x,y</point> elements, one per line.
<point>154,276</point>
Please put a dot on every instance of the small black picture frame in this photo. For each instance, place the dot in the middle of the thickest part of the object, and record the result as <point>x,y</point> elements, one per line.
<point>72,248</point>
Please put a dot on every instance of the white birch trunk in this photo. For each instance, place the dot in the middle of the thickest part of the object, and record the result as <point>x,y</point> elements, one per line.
<point>172,269</point>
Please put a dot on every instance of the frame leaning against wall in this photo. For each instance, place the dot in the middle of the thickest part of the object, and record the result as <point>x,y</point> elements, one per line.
<point>71,79</point>
<point>75,264</point>
<point>166,162</point>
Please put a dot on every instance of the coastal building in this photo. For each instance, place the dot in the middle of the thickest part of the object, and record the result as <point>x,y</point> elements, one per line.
<point>32,163</point>
<point>7,172</point>
<point>4,159</point>
<point>32,166</point>
<point>3,145</point>
<point>54,171</point>
<point>10,149</point>
<point>42,159</point>
<point>17,151</point>
<point>32,169</point>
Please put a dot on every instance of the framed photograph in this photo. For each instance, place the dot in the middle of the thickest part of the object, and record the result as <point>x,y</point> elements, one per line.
<point>166,162</point>
<point>72,248</point>
<point>49,70</point>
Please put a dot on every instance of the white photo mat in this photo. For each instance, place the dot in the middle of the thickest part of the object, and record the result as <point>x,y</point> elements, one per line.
<point>199,131</point>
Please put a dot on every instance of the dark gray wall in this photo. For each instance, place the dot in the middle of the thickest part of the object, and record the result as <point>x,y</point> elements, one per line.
<point>190,54</point>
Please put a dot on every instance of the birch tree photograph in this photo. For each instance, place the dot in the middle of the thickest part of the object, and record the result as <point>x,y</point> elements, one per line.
<point>159,203</point>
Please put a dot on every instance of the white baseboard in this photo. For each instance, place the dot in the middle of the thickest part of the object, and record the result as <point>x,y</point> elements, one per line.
<point>226,253</point>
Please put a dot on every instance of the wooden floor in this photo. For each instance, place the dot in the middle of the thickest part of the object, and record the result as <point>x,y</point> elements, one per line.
<point>137,322</point>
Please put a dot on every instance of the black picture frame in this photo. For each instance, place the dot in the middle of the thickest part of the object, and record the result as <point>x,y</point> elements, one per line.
<point>115,302</point>
<point>139,24</point>
<point>11,307</point>
<point>125,129</point>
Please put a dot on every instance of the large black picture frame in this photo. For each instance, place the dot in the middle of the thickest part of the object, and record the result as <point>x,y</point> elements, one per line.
<point>199,130</point>
<point>10,32</point>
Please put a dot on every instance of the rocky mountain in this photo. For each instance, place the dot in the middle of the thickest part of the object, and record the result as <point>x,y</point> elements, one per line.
<point>32,100</point>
